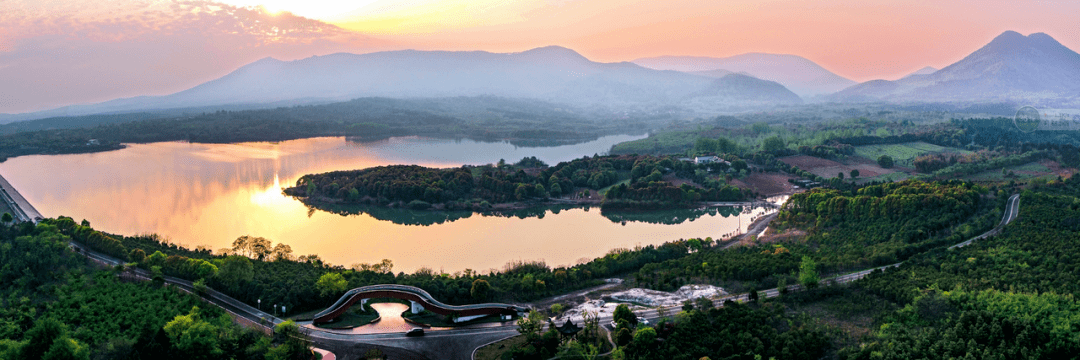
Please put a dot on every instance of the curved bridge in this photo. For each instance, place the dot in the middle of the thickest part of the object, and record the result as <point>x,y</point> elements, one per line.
<point>420,300</point>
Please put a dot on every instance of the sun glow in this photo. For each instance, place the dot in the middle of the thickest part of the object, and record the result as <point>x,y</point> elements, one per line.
<point>313,9</point>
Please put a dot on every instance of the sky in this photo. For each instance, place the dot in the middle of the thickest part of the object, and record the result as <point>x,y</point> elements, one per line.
<point>60,52</point>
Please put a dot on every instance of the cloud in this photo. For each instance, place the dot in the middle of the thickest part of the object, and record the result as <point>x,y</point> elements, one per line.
<point>56,53</point>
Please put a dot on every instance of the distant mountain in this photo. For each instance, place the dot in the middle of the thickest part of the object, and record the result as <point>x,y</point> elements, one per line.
<point>550,73</point>
<point>743,89</point>
<point>1013,68</point>
<point>800,75</point>
<point>924,71</point>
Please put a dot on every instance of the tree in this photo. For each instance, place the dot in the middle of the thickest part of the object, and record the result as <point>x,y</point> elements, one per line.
<point>194,337</point>
<point>480,289</point>
<point>703,303</point>
<point>40,338</point>
<point>137,255</point>
<point>66,348</point>
<point>739,165</point>
<point>840,175</point>
<point>540,191</point>
<point>556,190</point>
<point>885,161</point>
<point>530,325</point>
<point>773,144</point>
<point>623,313</point>
<point>808,275</point>
<point>623,336</point>
<point>294,344</point>
<point>281,252</point>
<point>854,173</point>
<point>754,296</point>
<point>6,217</point>
<point>521,192</point>
<point>331,283</point>
<point>235,270</point>
<point>645,337</point>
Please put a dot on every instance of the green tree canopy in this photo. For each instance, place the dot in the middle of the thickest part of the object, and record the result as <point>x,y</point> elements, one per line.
<point>331,283</point>
<point>885,161</point>
<point>480,289</point>
<point>808,274</point>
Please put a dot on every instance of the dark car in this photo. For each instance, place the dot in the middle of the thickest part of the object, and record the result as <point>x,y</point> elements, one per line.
<point>415,332</point>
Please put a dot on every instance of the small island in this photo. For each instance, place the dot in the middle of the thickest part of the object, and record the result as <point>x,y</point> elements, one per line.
<point>638,182</point>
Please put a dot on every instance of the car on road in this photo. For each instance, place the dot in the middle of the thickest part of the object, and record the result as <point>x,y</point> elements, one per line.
<point>640,321</point>
<point>415,332</point>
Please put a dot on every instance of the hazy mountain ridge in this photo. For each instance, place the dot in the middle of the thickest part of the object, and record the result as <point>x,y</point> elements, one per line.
<point>800,75</point>
<point>1012,67</point>
<point>553,74</point>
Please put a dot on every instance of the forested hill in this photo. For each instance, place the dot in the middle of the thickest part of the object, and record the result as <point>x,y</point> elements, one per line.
<point>628,181</point>
<point>1011,296</point>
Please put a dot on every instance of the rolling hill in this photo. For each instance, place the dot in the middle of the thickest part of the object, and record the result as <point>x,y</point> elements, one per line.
<point>800,75</point>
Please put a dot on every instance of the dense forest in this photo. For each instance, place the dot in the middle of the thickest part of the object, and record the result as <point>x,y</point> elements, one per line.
<point>55,304</point>
<point>1005,297</point>
<point>630,182</point>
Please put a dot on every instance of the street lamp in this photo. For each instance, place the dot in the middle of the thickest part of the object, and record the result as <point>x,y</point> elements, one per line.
<point>260,304</point>
<point>275,309</point>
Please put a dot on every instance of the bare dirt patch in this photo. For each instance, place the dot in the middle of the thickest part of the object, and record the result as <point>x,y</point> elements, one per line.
<point>829,169</point>
<point>768,184</point>
<point>772,236</point>
<point>677,181</point>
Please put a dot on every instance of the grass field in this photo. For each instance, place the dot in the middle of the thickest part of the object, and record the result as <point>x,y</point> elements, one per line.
<point>493,351</point>
<point>353,318</point>
<point>903,154</point>
<point>1025,171</point>
<point>670,142</point>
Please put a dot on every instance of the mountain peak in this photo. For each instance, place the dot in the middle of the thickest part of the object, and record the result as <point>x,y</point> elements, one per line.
<point>552,52</point>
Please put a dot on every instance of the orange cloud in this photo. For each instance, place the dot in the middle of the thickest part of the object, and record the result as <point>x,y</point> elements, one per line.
<point>74,52</point>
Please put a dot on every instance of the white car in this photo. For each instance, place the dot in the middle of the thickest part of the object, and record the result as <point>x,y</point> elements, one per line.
<point>643,321</point>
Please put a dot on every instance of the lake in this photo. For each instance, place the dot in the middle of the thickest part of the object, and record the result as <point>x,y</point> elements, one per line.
<point>210,194</point>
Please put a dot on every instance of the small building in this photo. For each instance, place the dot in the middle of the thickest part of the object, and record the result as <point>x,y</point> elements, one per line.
<point>93,142</point>
<point>705,159</point>
<point>568,329</point>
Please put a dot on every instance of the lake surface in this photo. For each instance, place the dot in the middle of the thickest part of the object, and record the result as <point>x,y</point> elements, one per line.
<point>210,194</point>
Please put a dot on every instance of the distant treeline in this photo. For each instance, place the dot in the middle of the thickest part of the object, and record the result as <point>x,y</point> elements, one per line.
<point>482,118</point>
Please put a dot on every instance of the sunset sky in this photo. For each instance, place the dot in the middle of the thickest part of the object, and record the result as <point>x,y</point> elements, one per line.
<point>61,52</point>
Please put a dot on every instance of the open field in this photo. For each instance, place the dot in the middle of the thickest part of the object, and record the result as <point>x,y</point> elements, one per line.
<point>1037,169</point>
<point>829,169</point>
<point>903,154</point>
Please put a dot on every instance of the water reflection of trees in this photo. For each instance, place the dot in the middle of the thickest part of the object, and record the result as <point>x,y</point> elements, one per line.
<point>670,217</point>
<point>404,216</point>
